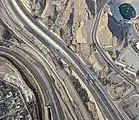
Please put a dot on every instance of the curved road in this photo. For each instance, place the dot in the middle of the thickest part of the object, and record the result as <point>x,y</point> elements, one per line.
<point>50,97</point>
<point>95,41</point>
<point>46,37</point>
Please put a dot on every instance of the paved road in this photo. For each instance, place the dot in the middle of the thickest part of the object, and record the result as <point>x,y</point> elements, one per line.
<point>43,57</point>
<point>111,63</point>
<point>50,97</point>
<point>95,41</point>
<point>46,37</point>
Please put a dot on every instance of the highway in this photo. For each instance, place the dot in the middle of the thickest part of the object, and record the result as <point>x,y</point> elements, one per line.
<point>46,37</point>
<point>42,58</point>
<point>50,97</point>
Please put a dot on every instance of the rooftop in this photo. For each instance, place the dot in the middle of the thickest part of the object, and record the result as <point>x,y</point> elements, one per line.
<point>124,9</point>
<point>130,59</point>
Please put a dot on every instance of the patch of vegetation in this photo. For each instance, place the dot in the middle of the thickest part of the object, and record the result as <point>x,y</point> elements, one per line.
<point>84,97</point>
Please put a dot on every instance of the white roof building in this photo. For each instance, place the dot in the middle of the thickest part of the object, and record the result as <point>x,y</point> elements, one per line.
<point>129,60</point>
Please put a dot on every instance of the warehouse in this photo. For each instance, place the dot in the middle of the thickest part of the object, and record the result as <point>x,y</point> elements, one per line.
<point>130,65</point>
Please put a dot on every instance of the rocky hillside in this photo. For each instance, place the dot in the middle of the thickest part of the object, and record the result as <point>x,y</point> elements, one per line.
<point>66,16</point>
<point>69,19</point>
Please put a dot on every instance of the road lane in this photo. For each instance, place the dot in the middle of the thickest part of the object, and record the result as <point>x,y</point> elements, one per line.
<point>50,98</point>
<point>87,74</point>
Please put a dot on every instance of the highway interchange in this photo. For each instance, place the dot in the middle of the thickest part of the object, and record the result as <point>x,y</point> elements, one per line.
<point>48,39</point>
<point>48,96</point>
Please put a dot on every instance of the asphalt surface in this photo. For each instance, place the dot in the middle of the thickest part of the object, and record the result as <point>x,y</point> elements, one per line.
<point>95,41</point>
<point>73,58</point>
<point>49,95</point>
<point>111,63</point>
<point>88,75</point>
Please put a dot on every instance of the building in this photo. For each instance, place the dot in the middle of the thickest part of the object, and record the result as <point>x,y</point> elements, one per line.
<point>129,60</point>
<point>124,10</point>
